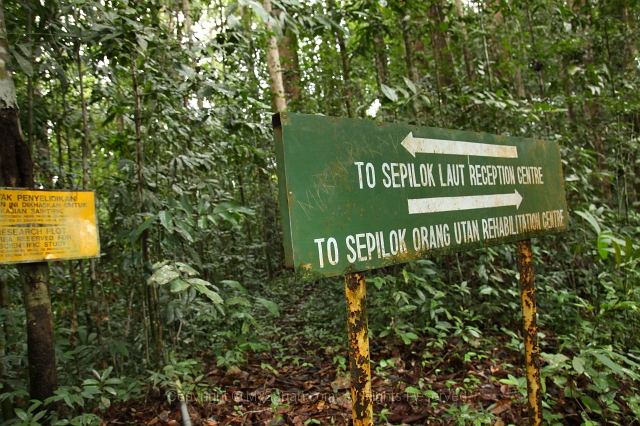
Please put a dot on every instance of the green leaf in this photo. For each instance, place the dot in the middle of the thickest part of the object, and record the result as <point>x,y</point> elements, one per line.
<point>165,219</point>
<point>628,249</point>
<point>145,225</point>
<point>618,252</point>
<point>603,245</point>
<point>120,347</point>
<point>199,281</point>
<point>106,373</point>
<point>226,206</point>
<point>412,390</point>
<point>236,285</point>
<point>183,267</point>
<point>486,290</point>
<point>202,222</point>
<point>389,93</point>
<point>178,286</point>
<point>591,220</point>
<point>38,416</point>
<point>555,360</point>
<point>238,301</point>
<point>431,394</point>
<point>186,231</point>
<point>25,65</point>
<point>591,404</point>
<point>159,265</point>
<point>231,8</point>
<point>105,401</point>
<point>141,42</point>
<point>272,307</point>
<point>184,198</point>
<point>410,85</point>
<point>234,23</point>
<point>605,360</point>
<point>164,275</point>
<point>22,415</point>
<point>259,10</point>
<point>212,295</point>
<point>578,364</point>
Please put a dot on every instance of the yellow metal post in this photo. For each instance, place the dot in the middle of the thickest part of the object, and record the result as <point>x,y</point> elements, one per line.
<point>531,347</point>
<point>358,334</point>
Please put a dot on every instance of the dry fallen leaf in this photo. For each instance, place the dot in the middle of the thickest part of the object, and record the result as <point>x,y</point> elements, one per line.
<point>341,382</point>
<point>501,406</point>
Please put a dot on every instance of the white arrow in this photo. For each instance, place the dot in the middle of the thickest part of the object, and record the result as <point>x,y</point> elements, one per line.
<point>450,204</point>
<point>441,146</point>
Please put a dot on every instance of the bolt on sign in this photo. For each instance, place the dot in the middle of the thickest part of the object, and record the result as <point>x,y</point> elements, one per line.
<point>42,225</point>
<point>357,195</point>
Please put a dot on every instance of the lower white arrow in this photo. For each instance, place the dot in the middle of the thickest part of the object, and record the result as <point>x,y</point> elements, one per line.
<point>450,204</point>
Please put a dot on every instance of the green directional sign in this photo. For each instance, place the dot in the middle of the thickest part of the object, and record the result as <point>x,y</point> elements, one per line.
<point>358,194</point>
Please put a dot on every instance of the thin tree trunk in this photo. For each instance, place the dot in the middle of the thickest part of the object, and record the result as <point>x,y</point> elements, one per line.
<point>347,89</point>
<point>150,290</point>
<point>85,185</point>
<point>31,143</point>
<point>468,62</point>
<point>380,50</point>
<point>16,168</point>
<point>441,56</point>
<point>60,181</point>
<point>412,71</point>
<point>186,10</point>
<point>288,51</point>
<point>273,64</point>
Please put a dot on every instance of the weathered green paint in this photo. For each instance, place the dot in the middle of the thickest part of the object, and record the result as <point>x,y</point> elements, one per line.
<point>322,198</point>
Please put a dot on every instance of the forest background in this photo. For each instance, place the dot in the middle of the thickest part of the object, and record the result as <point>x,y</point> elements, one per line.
<point>163,108</point>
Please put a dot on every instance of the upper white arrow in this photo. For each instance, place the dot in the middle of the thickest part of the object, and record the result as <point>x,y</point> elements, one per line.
<point>470,202</point>
<point>441,146</point>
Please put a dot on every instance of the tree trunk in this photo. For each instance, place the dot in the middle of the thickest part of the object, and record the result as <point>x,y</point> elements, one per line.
<point>186,11</point>
<point>288,51</point>
<point>441,55</point>
<point>85,185</point>
<point>150,289</point>
<point>31,142</point>
<point>380,50</point>
<point>412,71</point>
<point>17,171</point>
<point>347,89</point>
<point>273,63</point>
<point>468,62</point>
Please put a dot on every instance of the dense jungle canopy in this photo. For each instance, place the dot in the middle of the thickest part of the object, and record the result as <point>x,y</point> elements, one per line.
<point>164,107</point>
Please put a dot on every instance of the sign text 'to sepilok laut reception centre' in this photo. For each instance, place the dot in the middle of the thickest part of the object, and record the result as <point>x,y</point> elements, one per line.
<point>358,194</point>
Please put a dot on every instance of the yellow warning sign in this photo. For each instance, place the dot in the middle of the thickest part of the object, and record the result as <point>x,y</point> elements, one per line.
<point>41,225</point>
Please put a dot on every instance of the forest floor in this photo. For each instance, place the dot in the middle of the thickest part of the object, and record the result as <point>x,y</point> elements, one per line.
<point>302,380</point>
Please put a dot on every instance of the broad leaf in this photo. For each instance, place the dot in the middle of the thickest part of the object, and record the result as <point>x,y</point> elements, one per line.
<point>389,93</point>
